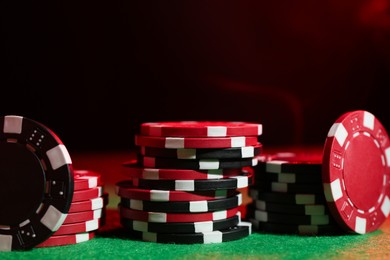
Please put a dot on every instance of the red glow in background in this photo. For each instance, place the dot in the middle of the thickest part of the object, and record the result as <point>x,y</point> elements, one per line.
<point>93,72</point>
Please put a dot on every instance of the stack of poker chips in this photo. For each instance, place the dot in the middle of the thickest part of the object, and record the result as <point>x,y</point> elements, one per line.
<point>186,185</point>
<point>87,211</point>
<point>288,196</point>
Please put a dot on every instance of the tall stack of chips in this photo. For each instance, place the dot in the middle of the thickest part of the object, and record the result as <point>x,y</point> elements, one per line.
<point>344,188</point>
<point>185,186</point>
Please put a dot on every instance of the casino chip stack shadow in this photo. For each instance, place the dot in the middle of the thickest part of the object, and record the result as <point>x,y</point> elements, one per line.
<point>344,189</point>
<point>43,201</point>
<point>185,186</point>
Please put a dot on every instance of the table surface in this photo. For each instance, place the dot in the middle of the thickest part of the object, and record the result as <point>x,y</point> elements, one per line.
<point>112,240</point>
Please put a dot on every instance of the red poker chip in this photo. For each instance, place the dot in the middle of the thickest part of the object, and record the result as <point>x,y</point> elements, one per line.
<point>195,142</point>
<point>356,172</point>
<point>83,216</point>
<point>79,227</point>
<point>85,205</point>
<point>85,179</point>
<point>67,239</point>
<point>87,194</point>
<point>201,129</point>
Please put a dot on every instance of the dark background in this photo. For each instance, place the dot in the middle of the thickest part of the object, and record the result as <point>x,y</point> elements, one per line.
<point>93,71</point>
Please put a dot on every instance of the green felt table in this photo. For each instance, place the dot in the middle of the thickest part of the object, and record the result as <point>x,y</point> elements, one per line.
<point>113,242</point>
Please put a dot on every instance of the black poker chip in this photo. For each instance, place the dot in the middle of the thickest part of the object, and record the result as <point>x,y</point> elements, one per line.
<point>202,164</point>
<point>224,153</point>
<point>287,198</point>
<point>180,228</point>
<point>303,230</point>
<point>290,209</point>
<point>287,177</point>
<point>36,186</point>
<point>240,231</point>
<point>314,188</point>
<point>232,182</point>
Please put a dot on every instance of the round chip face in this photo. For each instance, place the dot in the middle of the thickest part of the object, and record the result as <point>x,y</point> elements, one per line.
<point>356,172</point>
<point>201,129</point>
<point>36,186</point>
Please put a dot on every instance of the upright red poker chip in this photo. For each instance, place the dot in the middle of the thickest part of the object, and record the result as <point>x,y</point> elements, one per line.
<point>356,172</point>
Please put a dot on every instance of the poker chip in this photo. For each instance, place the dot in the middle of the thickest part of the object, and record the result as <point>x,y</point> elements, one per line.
<point>288,177</point>
<point>287,198</point>
<point>180,228</point>
<point>78,227</point>
<point>126,189</point>
<point>240,231</point>
<point>179,174</point>
<point>84,179</point>
<point>83,216</point>
<point>271,217</point>
<point>203,164</point>
<point>67,239</point>
<point>87,194</point>
<point>311,209</point>
<point>227,153</point>
<point>315,188</point>
<point>36,185</point>
<point>183,206</point>
<point>233,182</point>
<point>309,230</point>
<point>356,169</point>
<point>87,205</point>
<point>188,142</point>
<point>201,129</point>
<point>292,165</point>
<point>162,217</point>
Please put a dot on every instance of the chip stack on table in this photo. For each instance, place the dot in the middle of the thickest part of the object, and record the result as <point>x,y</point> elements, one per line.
<point>186,186</point>
<point>343,189</point>
<point>39,189</point>
<point>86,213</point>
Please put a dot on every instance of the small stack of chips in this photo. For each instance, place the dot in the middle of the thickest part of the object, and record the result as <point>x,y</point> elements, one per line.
<point>185,187</point>
<point>87,211</point>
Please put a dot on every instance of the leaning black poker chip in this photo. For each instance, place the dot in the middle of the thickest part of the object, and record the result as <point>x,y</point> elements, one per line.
<point>36,186</point>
